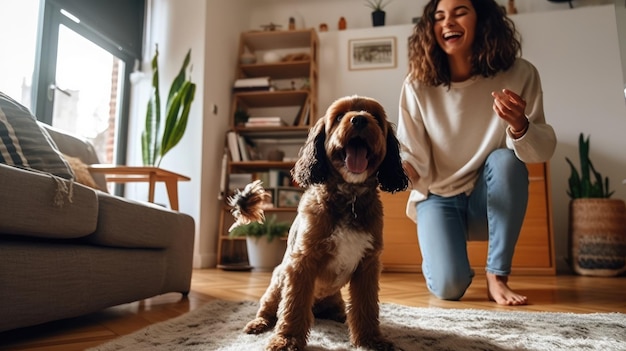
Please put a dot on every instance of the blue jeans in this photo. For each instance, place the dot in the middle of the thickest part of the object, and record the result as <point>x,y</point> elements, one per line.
<point>494,211</point>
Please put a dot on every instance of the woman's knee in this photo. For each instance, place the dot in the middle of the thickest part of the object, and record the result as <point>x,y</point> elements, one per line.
<point>503,168</point>
<point>451,287</point>
<point>504,160</point>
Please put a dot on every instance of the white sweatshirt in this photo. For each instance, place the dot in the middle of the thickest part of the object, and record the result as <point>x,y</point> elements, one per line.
<point>447,134</point>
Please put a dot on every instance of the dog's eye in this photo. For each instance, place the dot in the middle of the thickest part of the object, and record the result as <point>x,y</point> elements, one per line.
<point>339,117</point>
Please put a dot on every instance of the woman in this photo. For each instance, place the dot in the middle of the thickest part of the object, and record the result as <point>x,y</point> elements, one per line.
<point>471,116</point>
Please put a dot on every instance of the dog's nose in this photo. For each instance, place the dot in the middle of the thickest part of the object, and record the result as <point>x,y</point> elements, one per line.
<point>358,121</point>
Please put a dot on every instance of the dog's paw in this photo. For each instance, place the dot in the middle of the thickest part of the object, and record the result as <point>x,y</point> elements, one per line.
<point>257,326</point>
<point>285,343</point>
<point>378,344</point>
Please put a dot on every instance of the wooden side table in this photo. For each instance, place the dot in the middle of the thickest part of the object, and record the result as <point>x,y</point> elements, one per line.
<point>151,175</point>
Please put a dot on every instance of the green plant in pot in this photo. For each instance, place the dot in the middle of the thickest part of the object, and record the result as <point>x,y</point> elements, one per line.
<point>378,12</point>
<point>263,242</point>
<point>597,223</point>
<point>157,139</point>
<point>582,185</point>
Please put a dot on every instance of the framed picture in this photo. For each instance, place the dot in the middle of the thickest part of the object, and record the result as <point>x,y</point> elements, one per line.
<point>375,53</point>
<point>288,197</point>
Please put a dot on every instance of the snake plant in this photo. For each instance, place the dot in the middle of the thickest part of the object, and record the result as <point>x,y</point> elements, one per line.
<point>377,5</point>
<point>581,185</point>
<point>157,140</point>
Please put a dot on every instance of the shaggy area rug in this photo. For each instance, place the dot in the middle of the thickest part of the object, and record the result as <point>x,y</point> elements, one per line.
<point>218,326</point>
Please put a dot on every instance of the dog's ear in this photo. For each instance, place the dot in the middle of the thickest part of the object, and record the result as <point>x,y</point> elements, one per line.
<point>391,175</point>
<point>312,165</point>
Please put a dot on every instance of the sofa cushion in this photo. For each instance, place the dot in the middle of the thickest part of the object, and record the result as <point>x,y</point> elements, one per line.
<point>42,205</point>
<point>133,224</point>
<point>78,147</point>
<point>24,144</point>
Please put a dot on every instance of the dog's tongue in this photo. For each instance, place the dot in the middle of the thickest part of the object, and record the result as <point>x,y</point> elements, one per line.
<point>356,158</point>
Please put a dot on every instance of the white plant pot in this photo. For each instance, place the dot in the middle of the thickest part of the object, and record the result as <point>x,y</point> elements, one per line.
<point>263,256</point>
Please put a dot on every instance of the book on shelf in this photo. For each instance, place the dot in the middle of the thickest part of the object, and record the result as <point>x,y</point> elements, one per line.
<point>302,118</point>
<point>240,148</point>
<point>243,148</point>
<point>265,122</point>
<point>251,84</point>
<point>233,146</point>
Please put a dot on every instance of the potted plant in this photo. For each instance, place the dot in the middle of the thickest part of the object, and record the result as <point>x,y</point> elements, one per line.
<point>157,140</point>
<point>241,117</point>
<point>597,223</point>
<point>263,242</point>
<point>378,12</point>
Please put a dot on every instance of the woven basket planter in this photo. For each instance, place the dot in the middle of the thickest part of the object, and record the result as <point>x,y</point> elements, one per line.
<point>598,236</point>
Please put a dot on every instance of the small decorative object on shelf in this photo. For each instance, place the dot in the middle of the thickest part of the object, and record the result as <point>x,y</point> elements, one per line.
<point>511,9</point>
<point>292,23</point>
<point>342,23</point>
<point>247,58</point>
<point>270,27</point>
<point>323,27</point>
<point>568,1</point>
<point>275,155</point>
<point>271,57</point>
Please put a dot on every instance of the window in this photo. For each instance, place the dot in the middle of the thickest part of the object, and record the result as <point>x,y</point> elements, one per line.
<point>18,58</point>
<point>86,50</point>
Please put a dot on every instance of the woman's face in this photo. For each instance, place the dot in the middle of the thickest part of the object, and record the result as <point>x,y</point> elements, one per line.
<point>455,27</point>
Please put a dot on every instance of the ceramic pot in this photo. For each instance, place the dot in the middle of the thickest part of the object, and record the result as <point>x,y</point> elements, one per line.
<point>247,59</point>
<point>378,18</point>
<point>263,255</point>
<point>271,57</point>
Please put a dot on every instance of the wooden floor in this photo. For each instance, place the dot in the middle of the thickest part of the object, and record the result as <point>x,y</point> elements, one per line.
<point>546,293</point>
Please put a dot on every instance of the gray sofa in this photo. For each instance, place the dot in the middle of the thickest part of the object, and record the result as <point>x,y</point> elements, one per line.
<point>67,249</point>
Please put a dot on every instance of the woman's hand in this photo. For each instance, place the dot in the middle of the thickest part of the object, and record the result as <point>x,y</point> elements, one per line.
<point>410,172</point>
<point>510,107</point>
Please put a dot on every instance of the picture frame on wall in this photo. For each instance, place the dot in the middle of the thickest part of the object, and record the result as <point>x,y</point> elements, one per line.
<point>288,197</point>
<point>372,53</point>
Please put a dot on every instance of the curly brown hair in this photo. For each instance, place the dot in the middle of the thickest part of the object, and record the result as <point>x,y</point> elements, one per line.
<point>497,51</point>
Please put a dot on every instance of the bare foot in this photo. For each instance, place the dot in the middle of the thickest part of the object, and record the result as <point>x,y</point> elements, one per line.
<point>500,292</point>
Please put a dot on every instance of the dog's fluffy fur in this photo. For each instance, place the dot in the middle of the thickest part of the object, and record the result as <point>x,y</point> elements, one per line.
<point>247,205</point>
<point>336,237</point>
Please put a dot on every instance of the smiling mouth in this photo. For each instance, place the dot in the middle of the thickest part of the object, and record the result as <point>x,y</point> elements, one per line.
<point>356,153</point>
<point>452,35</point>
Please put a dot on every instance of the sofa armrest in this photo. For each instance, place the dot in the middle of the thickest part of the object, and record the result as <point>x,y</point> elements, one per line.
<point>42,205</point>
